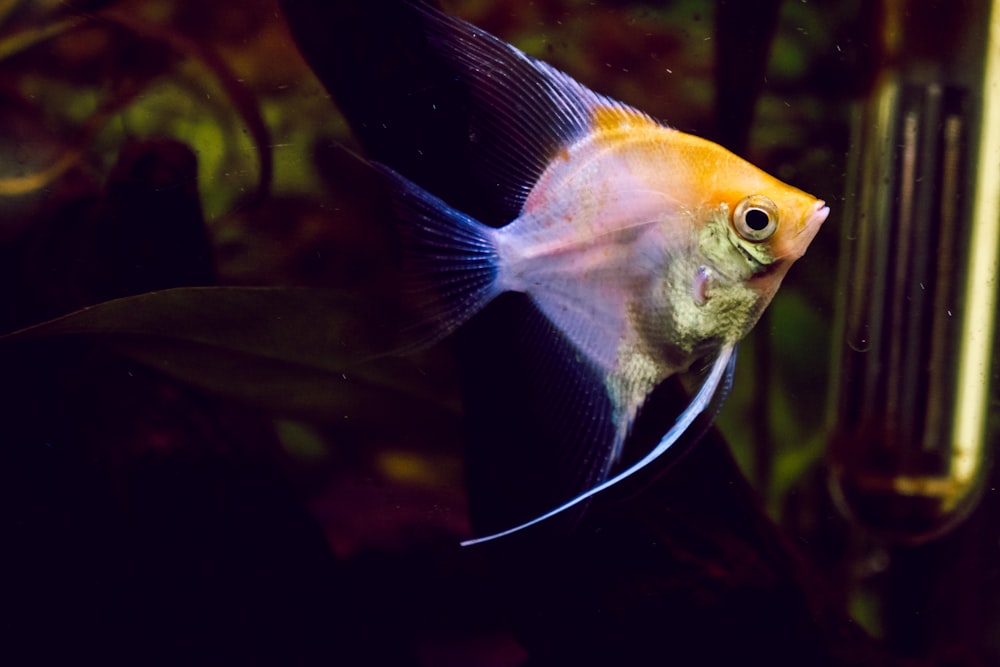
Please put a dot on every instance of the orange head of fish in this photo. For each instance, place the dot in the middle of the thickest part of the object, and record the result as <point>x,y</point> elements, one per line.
<point>754,226</point>
<point>749,228</point>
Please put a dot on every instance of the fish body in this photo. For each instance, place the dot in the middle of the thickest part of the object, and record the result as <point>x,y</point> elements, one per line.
<point>644,247</point>
<point>628,244</point>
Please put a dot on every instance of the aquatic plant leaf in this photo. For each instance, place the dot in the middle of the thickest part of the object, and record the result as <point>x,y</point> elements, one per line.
<point>238,93</point>
<point>242,99</point>
<point>20,41</point>
<point>297,350</point>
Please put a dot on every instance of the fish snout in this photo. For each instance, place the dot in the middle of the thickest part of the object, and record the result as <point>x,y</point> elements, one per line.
<point>817,216</point>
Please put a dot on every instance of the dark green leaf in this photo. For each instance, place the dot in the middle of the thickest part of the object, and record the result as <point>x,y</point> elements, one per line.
<point>290,349</point>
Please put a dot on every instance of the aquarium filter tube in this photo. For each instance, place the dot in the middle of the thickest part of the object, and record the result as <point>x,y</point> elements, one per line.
<point>917,292</point>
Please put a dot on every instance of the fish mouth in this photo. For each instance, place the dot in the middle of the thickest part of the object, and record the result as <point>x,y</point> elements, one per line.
<point>818,215</point>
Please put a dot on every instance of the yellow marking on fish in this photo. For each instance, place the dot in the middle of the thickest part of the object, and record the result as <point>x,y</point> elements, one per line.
<point>611,119</point>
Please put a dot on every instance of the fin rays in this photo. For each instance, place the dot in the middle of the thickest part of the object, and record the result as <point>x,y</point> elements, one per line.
<point>450,261</point>
<point>527,109</point>
<point>718,380</point>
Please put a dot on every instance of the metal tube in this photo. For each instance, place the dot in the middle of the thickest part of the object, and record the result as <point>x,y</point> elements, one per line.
<point>916,318</point>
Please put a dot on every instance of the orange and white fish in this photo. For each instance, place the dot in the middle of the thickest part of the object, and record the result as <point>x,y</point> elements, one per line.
<point>645,247</point>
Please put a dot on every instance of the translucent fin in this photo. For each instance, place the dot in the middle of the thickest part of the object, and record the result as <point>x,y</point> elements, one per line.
<point>449,260</point>
<point>541,425</point>
<point>719,379</point>
<point>524,112</point>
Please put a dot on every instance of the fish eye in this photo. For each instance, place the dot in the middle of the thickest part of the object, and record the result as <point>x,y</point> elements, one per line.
<point>756,218</point>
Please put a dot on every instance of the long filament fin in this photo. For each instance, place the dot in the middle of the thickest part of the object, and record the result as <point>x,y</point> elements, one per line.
<point>721,368</point>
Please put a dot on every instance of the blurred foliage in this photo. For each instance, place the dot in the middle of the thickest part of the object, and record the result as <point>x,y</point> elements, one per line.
<point>306,311</point>
<point>86,87</point>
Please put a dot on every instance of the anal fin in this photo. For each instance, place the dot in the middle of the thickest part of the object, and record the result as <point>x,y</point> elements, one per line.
<point>717,383</point>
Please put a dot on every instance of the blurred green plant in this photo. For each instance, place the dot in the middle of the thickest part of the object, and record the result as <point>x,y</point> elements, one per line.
<point>294,350</point>
<point>98,77</point>
<point>101,101</point>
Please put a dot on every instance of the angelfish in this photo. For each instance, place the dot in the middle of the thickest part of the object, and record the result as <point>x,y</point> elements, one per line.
<point>645,247</point>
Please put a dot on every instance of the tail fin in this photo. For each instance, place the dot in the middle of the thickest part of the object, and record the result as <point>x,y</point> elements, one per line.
<point>450,261</point>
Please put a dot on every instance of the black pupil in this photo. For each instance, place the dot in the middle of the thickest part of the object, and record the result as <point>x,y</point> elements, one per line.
<point>757,219</point>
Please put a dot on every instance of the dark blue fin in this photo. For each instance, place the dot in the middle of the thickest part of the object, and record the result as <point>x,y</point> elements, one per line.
<point>541,424</point>
<point>717,383</point>
<point>449,261</point>
<point>526,111</point>
<point>454,109</point>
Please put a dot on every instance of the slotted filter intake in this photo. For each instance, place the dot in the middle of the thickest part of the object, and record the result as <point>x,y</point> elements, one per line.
<point>910,412</point>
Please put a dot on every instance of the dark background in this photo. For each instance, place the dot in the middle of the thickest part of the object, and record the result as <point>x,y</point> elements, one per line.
<point>240,500</point>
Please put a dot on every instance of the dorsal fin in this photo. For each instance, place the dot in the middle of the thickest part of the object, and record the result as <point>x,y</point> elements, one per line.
<point>525,111</point>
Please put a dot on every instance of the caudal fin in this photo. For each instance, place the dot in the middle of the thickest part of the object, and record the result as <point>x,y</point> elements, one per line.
<point>450,261</point>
